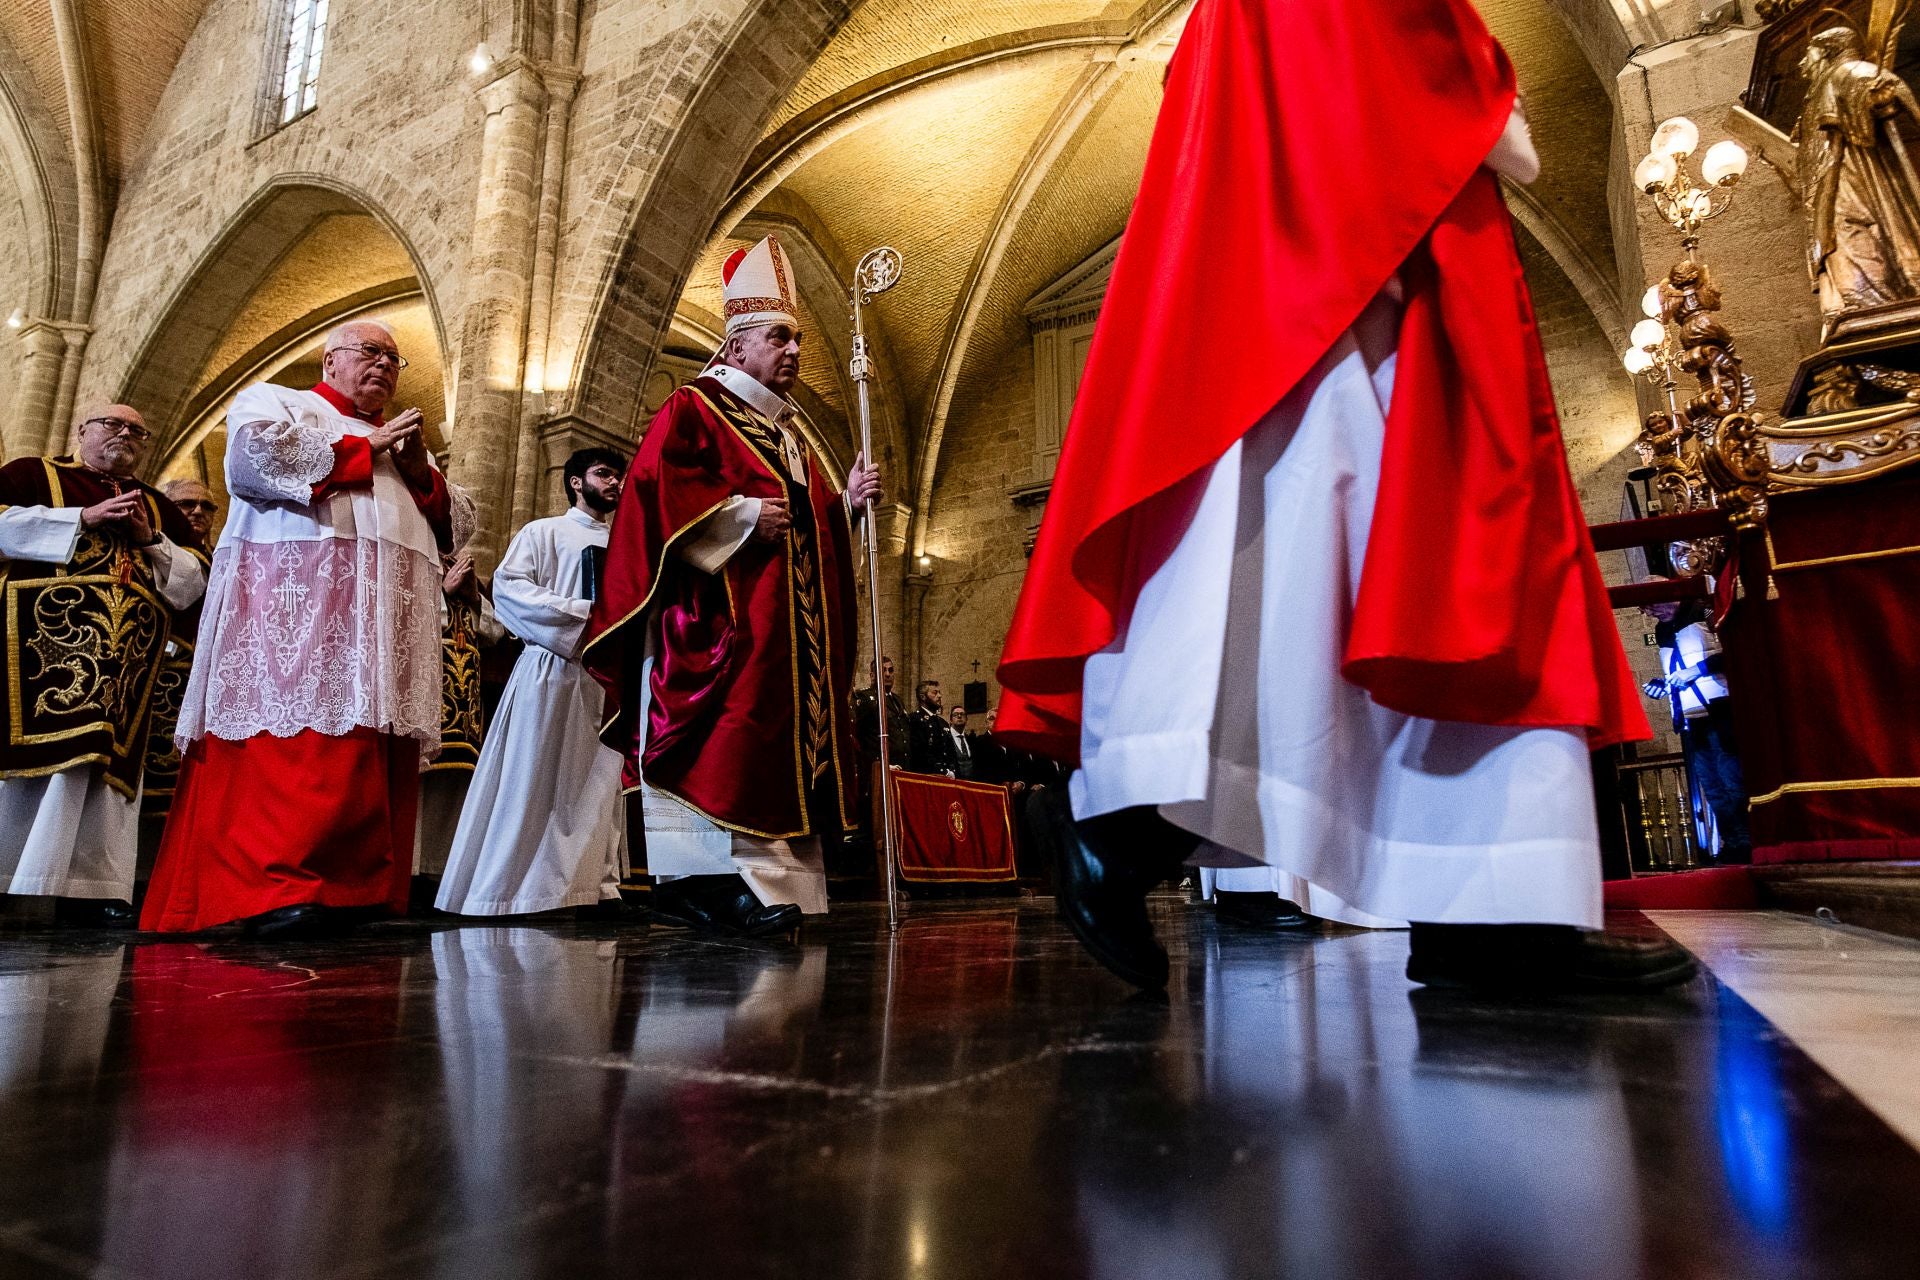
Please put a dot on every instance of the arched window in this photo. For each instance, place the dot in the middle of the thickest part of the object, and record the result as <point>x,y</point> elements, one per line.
<point>303,32</point>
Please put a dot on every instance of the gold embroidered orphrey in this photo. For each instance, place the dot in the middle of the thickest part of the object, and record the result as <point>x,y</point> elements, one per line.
<point>85,646</point>
<point>462,713</point>
<point>809,601</point>
<point>163,753</point>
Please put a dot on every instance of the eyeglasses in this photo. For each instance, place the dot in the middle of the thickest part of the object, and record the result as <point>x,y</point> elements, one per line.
<point>375,354</point>
<point>120,426</point>
<point>192,505</point>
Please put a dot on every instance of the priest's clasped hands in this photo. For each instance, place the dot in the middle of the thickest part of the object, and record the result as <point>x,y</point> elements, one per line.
<point>129,509</point>
<point>397,439</point>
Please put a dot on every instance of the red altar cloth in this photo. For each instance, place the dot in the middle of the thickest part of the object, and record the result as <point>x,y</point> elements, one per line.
<point>1824,677</point>
<point>952,832</point>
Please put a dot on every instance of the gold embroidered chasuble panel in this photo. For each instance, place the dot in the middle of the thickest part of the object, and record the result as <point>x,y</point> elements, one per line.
<point>86,640</point>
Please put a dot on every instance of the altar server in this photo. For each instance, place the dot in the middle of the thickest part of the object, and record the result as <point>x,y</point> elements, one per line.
<point>544,822</point>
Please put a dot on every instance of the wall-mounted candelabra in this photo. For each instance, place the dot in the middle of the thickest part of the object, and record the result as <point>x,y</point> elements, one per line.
<point>1705,451</point>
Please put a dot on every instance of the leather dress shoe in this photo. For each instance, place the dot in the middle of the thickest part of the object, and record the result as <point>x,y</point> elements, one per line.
<point>93,913</point>
<point>302,920</point>
<point>605,911</point>
<point>1544,959</point>
<point>721,905</point>
<point>1101,884</point>
<point>1266,911</point>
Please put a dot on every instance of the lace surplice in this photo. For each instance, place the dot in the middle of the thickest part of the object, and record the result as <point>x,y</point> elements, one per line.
<point>320,614</point>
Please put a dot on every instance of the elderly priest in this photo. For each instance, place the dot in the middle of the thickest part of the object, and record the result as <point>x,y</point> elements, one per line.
<point>725,632</point>
<point>96,566</point>
<point>316,681</point>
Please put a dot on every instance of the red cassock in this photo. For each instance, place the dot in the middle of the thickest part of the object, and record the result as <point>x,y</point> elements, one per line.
<point>272,822</point>
<point>748,719</point>
<point>1259,232</point>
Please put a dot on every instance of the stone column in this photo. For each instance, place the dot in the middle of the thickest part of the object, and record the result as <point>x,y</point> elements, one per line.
<point>493,328</point>
<point>43,355</point>
<point>528,497</point>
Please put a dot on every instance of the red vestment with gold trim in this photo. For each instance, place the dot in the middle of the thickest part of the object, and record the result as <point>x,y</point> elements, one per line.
<point>748,718</point>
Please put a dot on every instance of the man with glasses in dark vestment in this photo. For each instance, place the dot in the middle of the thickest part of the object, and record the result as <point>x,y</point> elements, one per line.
<point>96,567</point>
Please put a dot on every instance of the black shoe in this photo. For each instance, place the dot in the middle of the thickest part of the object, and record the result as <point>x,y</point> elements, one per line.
<point>92,913</point>
<point>722,905</point>
<point>1102,891</point>
<point>605,911</point>
<point>302,920</point>
<point>1544,959</point>
<point>1267,911</point>
<point>751,918</point>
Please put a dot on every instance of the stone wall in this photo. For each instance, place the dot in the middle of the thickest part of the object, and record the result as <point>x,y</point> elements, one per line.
<point>396,128</point>
<point>16,282</point>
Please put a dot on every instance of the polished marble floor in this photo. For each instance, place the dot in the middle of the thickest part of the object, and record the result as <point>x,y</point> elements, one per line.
<point>968,1098</point>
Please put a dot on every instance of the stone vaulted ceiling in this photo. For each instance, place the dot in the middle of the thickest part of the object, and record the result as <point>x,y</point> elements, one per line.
<point>997,145</point>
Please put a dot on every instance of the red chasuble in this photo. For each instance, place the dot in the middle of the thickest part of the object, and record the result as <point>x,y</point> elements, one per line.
<point>1480,599</point>
<point>748,723</point>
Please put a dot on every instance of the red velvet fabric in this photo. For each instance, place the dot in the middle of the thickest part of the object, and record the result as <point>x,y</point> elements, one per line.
<point>1824,677</point>
<point>352,467</point>
<point>1707,889</point>
<point>274,822</point>
<point>951,831</point>
<point>722,733</point>
<point>1247,239</point>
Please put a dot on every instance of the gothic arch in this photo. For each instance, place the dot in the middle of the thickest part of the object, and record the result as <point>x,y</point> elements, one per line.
<point>162,375</point>
<point>674,182</point>
<point>40,164</point>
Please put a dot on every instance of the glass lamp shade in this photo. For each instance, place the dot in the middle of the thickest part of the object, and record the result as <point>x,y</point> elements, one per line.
<point>1650,302</point>
<point>1676,137</point>
<point>1649,333</point>
<point>1726,161</point>
<point>1638,361</point>
<point>1654,172</point>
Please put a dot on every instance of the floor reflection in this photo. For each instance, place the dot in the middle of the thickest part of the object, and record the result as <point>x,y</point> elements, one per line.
<point>968,1097</point>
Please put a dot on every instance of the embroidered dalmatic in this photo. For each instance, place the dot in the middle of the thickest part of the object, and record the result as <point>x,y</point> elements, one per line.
<point>728,660</point>
<point>86,618</point>
<point>316,684</point>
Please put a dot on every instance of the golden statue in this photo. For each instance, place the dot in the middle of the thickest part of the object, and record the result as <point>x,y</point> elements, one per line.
<point>1861,194</point>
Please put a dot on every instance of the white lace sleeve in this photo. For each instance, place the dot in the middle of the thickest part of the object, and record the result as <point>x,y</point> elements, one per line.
<point>460,514</point>
<point>277,458</point>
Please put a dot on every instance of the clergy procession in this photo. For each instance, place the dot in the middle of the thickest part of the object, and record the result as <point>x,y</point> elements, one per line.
<point>1020,636</point>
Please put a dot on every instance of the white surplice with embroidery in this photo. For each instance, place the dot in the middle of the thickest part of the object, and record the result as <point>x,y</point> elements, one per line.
<point>319,615</point>
<point>544,824</point>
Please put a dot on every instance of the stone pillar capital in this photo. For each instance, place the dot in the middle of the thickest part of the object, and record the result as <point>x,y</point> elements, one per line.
<point>42,338</point>
<point>514,81</point>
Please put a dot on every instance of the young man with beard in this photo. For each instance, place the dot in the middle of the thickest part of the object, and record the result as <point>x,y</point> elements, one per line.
<point>543,825</point>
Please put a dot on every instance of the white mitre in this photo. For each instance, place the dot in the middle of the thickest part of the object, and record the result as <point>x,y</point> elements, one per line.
<point>758,287</point>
